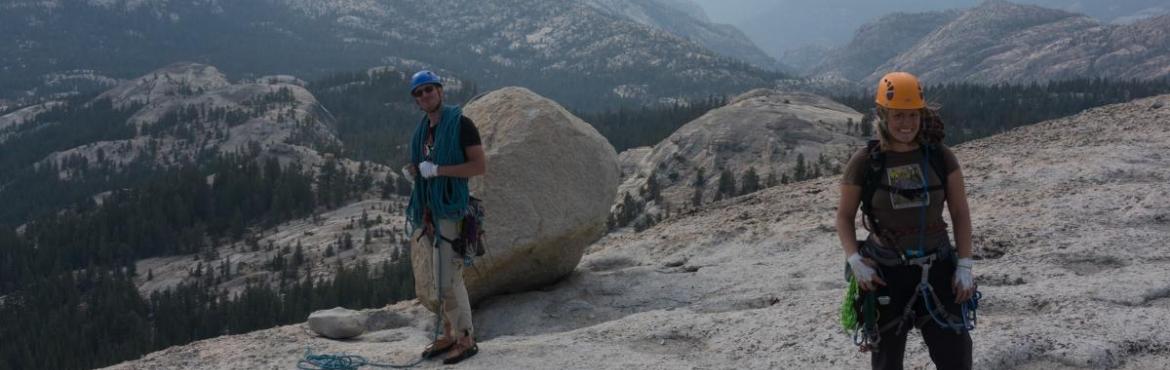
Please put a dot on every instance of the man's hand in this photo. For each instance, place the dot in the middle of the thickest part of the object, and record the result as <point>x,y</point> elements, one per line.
<point>428,169</point>
<point>964,282</point>
<point>866,276</point>
<point>409,171</point>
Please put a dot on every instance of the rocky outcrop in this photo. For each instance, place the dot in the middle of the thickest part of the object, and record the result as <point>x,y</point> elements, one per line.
<point>1070,223</point>
<point>186,110</point>
<point>176,80</point>
<point>10,122</point>
<point>549,183</point>
<point>631,160</point>
<point>768,132</point>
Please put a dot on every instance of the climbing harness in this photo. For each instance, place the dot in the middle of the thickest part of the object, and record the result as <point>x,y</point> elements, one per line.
<point>867,332</point>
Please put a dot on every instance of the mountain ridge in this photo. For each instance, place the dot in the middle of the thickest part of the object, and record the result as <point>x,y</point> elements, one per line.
<point>1003,42</point>
<point>690,22</point>
<point>544,45</point>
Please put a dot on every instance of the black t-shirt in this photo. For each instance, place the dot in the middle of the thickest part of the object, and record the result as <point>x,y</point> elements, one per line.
<point>468,135</point>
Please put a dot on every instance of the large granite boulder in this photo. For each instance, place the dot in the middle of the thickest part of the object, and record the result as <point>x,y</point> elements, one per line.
<point>550,181</point>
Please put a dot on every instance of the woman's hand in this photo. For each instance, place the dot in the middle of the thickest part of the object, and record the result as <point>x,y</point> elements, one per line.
<point>867,278</point>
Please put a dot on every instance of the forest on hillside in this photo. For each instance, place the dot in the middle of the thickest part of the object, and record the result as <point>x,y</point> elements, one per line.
<point>65,278</point>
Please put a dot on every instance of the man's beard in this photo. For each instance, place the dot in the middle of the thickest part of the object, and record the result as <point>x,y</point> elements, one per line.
<point>438,106</point>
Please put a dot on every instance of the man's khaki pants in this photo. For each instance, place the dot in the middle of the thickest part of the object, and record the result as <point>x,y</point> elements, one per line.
<point>456,308</point>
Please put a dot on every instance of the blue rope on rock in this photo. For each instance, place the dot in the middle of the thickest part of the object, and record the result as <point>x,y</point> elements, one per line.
<point>343,362</point>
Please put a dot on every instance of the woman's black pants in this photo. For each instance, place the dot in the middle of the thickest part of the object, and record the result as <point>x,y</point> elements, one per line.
<point>949,350</point>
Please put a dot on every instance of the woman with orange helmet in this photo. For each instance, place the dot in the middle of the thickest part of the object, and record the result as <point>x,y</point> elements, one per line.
<point>907,273</point>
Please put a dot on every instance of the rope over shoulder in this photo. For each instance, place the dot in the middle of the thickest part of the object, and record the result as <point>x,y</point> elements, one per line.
<point>445,197</point>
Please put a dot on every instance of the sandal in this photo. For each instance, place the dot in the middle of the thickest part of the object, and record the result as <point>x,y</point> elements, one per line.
<point>466,354</point>
<point>438,347</point>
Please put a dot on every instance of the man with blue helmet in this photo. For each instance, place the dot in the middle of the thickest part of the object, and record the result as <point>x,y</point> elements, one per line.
<point>445,151</point>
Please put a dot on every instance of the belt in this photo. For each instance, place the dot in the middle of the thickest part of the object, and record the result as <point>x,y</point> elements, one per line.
<point>895,257</point>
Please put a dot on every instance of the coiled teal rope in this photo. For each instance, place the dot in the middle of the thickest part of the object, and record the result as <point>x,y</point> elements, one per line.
<point>343,362</point>
<point>446,197</point>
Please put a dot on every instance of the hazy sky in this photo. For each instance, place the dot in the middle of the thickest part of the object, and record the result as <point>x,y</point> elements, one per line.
<point>730,11</point>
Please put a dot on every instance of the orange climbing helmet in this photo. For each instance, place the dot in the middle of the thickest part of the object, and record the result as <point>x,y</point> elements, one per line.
<point>900,90</point>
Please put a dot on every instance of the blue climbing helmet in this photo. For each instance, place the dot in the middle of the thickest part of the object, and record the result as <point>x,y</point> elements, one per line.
<point>424,77</point>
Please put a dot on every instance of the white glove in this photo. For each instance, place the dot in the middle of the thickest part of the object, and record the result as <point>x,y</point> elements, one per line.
<point>866,276</point>
<point>964,279</point>
<point>428,169</point>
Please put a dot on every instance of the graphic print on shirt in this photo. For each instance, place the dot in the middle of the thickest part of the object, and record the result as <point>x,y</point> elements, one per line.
<point>908,177</point>
<point>429,147</point>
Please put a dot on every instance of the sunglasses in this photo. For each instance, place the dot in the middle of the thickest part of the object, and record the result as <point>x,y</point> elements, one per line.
<point>423,90</point>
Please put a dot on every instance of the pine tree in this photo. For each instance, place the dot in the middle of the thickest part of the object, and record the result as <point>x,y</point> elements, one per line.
<point>652,188</point>
<point>750,182</point>
<point>726,183</point>
<point>298,257</point>
<point>800,173</point>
